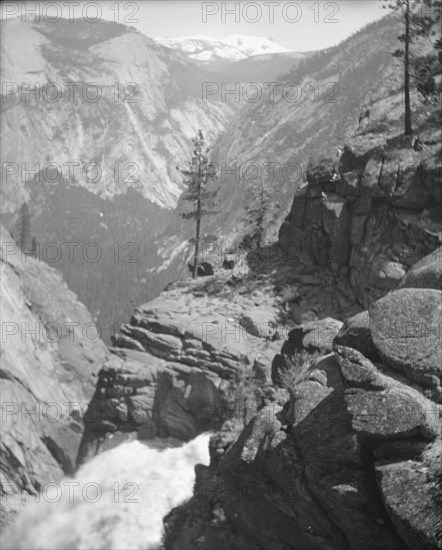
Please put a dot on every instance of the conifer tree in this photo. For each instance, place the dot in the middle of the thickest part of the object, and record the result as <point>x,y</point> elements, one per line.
<point>198,175</point>
<point>23,228</point>
<point>260,213</point>
<point>419,17</point>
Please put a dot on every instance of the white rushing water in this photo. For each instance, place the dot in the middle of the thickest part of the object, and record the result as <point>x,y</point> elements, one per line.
<point>119,502</point>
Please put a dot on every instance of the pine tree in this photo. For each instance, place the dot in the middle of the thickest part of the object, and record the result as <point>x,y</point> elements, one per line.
<point>415,24</point>
<point>260,213</point>
<point>23,228</point>
<point>198,175</point>
<point>424,69</point>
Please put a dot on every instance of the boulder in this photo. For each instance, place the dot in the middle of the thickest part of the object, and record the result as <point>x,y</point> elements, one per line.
<point>391,273</point>
<point>411,492</point>
<point>427,273</point>
<point>316,335</point>
<point>406,331</point>
<point>357,370</point>
<point>259,322</point>
<point>392,414</point>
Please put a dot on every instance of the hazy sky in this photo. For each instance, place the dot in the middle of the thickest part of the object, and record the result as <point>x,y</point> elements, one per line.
<point>300,25</point>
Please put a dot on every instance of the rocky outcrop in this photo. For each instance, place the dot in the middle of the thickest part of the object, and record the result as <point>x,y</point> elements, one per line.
<point>371,214</point>
<point>351,460</point>
<point>50,354</point>
<point>172,363</point>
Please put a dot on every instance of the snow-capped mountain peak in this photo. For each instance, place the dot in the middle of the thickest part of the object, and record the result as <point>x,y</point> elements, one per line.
<point>206,50</point>
<point>203,49</point>
<point>253,45</point>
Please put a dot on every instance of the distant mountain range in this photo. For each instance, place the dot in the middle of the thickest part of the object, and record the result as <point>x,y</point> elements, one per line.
<point>216,54</point>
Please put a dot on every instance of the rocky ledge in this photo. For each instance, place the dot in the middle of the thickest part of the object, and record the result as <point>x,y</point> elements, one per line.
<point>353,458</point>
<point>174,360</point>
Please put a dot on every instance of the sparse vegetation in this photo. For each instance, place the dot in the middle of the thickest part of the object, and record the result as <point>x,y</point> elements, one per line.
<point>298,368</point>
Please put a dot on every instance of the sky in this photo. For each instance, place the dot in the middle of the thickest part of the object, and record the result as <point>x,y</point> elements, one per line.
<point>301,25</point>
<point>298,26</point>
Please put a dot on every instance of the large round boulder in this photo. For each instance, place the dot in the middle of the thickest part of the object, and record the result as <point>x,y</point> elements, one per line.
<point>405,327</point>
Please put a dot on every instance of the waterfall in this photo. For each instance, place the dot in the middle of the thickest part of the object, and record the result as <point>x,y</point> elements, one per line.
<point>117,500</point>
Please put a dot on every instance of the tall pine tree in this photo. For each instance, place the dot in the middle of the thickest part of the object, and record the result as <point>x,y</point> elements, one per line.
<point>198,175</point>
<point>419,17</point>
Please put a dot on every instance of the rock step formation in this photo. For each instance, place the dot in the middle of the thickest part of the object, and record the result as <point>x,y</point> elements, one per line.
<point>173,361</point>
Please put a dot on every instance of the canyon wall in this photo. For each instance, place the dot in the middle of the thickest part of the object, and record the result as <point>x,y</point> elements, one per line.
<point>50,355</point>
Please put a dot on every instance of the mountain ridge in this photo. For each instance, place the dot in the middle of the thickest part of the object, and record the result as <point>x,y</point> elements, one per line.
<point>218,53</point>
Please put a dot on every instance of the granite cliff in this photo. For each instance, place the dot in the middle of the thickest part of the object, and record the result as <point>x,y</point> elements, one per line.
<point>51,353</point>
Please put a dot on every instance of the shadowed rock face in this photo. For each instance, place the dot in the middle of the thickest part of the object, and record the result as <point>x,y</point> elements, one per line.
<point>50,354</point>
<point>139,396</point>
<point>369,214</point>
<point>351,460</point>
